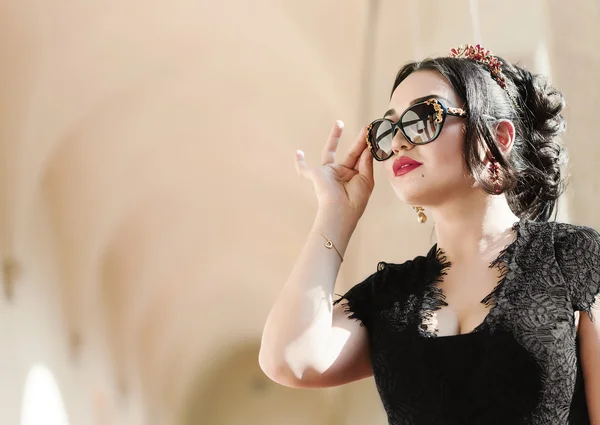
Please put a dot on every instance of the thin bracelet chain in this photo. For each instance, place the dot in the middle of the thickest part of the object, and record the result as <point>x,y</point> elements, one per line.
<point>329,244</point>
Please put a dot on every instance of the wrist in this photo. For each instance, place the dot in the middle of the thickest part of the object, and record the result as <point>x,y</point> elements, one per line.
<point>337,226</point>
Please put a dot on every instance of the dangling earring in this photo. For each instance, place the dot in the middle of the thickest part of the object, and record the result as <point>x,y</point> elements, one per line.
<point>421,217</point>
<point>494,177</point>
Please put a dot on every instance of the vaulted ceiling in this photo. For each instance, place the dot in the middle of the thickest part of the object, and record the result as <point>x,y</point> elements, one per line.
<point>155,141</point>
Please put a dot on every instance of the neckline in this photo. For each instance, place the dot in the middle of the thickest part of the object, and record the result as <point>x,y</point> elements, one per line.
<point>434,296</point>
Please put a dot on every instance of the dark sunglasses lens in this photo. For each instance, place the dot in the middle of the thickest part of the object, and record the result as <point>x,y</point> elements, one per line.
<point>419,124</point>
<point>381,135</point>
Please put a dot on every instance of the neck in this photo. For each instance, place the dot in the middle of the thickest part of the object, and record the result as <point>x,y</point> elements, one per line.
<point>475,227</point>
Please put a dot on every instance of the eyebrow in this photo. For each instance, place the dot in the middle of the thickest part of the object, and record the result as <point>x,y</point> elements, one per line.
<point>415,101</point>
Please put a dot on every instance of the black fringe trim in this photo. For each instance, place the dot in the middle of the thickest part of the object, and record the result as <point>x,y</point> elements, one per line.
<point>501,263</point>
<point>347,308</point>
<point>433,296</point>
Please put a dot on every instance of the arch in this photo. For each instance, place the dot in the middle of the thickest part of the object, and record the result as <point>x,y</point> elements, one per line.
<point>235,388</point>
<point>42,399</point>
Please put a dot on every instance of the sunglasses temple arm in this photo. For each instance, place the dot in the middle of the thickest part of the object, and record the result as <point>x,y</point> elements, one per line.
<point>454,114</point>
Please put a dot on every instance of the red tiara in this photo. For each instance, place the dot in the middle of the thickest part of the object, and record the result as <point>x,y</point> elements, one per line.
<point>478,54</point>
<point>483,56</point>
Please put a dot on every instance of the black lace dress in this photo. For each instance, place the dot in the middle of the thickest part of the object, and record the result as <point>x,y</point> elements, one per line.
<point>520,366</point>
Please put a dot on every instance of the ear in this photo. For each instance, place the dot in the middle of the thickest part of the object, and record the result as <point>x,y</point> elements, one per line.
<point>505,135</point>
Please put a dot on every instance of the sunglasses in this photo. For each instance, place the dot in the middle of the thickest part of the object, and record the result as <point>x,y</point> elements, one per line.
<point>420,124</point>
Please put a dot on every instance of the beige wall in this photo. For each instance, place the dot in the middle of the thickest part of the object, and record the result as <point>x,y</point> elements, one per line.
<point>149,198</point>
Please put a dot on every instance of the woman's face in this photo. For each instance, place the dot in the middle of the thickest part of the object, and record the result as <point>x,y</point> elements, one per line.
<point>442,173</point>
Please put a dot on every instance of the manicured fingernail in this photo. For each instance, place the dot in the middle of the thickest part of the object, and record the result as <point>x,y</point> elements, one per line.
<point>340,123</point>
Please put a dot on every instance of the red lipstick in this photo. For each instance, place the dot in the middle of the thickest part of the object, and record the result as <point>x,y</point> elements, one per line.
<point>404,165</point>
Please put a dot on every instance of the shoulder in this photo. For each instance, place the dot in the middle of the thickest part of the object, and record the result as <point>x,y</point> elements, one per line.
<point>577,250</point>
<point>578,255</point>
<point>573,231</point>
<point>577,239</point>
<point>411,273</point>
<point>390,282</point>
<point>563,235</point>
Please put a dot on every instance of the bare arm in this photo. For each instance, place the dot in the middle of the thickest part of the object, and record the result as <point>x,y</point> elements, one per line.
<point>589,336</point>
<point>306,342</point>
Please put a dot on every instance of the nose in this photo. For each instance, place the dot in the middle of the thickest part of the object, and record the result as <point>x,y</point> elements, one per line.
<point>400,143</point>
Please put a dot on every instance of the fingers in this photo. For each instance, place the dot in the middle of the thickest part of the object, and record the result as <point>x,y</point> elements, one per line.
<point>355,150</point>
<point>331,145</point>
<point>301,166</point>
<point>365,164</point>
<point>357,158</point>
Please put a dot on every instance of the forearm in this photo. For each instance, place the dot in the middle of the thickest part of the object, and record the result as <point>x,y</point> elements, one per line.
<point>299,324</point>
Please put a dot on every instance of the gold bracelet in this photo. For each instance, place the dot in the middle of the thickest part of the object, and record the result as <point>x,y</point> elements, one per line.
<point>329,244</point>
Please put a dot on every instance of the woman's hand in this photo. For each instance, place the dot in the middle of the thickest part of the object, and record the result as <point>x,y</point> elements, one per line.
<point>346,185</point>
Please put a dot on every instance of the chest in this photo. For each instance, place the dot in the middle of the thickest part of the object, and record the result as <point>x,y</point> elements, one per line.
<point>466,293</point>
<point>525,344</point>
<point>525,302</point>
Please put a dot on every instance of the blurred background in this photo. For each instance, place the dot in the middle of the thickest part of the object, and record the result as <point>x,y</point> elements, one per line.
<point>149,206</point>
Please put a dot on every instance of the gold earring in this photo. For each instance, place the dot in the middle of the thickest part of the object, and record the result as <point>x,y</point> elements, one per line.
<point>421,217</point>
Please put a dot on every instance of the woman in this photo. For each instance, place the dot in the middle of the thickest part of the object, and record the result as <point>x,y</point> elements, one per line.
<point>494,325</point>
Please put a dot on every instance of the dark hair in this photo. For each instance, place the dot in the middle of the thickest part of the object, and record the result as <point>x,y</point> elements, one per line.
<point>530,174</point>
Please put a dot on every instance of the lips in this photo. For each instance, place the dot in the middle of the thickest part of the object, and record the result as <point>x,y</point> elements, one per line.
<point>404,165</point>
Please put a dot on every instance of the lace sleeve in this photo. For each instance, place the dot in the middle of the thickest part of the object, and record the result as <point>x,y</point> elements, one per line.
<point>578,255</point>
<point>358,301</point>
